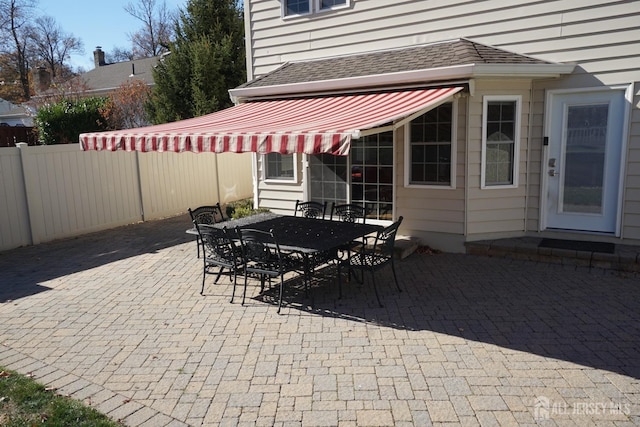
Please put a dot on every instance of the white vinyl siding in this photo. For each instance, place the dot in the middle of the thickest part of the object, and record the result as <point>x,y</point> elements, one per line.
<point>631,215</point>
<point>430,210</point>
<point>503,210</point>
<point>601,36</point>
<point>279,196</point>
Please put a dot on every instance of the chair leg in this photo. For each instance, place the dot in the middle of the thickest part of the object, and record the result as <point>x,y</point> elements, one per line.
<point>281,292</point>
<point>218,275</point>
<point>393,269</point>
<point>235,281</point>
<point>339,282</point>
<point>204,275</point>
<point>375,288</point>
<point>244,291</point>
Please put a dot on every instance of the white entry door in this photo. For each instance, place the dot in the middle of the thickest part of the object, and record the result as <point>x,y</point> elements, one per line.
<point>584,160</point>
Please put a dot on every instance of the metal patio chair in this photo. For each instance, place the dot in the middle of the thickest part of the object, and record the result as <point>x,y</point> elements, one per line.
<point>348,212</point>
<point>374,257</point>
<point>219,252</point>
<point>210,214</point>
<point>262,257</point>
<point>310,209</point>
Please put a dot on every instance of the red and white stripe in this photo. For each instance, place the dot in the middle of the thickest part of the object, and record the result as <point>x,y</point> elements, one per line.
<point>303,125</point>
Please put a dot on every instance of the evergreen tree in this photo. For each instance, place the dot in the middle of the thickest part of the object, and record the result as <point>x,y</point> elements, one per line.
<point>206,59</point>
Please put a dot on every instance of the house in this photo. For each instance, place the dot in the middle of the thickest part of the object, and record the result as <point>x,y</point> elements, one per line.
<point>472,120</point>
<point>16,124</point>
<point>14,115</point>
<point>543,138</point>
<point>102,80</point>
<point>106,78</point>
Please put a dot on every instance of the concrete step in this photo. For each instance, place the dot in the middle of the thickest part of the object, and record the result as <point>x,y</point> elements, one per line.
<point>405,246</point>
<point>625,258</point>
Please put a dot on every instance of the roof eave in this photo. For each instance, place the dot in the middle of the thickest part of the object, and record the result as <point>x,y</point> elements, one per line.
<point>533,71</point>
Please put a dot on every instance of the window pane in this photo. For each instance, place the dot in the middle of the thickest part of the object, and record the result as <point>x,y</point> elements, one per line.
<point>431,156</point>
<point>297,7</point>
<point>499,164</point>
<point>585,158</point>
<point>418,154</point>
<point>328,4</point>
<point>386,175</point>
<point>417,172</point>
<point>507,131</point>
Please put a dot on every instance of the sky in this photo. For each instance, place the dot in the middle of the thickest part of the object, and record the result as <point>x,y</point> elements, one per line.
<point>97,23</point>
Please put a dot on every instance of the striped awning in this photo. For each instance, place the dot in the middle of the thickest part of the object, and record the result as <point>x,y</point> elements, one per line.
<point>323,124</point>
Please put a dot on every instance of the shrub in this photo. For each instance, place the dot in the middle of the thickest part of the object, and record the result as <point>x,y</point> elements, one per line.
<point>242,208</point>
<point>64,121</point>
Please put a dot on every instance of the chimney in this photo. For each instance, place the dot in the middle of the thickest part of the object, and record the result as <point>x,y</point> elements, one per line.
<point>42,79</point>
<point>98,57</point>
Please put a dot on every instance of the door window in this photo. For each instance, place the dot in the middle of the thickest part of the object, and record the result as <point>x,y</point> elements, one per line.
<point>584,158</point>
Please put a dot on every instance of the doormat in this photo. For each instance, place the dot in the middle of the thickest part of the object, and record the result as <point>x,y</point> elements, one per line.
<point>578,245</point>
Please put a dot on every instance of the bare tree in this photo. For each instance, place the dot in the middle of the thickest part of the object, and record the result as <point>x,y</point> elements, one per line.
<point>153,38</point>
<point>16,33</point>
<point>119,54</point>
<point>53,46</point>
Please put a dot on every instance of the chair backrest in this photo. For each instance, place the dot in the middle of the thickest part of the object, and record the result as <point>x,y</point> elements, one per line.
<point>385,239</point>
<point>207,214</point>
<point>218,245</point>
<point>260,250</point>
<point>348,212</point>
<point>310,209</point>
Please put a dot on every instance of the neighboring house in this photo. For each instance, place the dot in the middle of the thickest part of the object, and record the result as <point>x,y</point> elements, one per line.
<point>16,124</point>
<point>531,144</point>
<point>103,79</point>
<point>14,115</point>
<point>479,120</point>
<point>106,78</point>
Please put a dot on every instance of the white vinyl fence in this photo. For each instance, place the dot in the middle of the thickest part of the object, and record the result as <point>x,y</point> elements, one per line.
<point>52,192</point>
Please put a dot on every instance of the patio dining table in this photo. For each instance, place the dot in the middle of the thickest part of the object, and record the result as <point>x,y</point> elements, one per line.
<point>300,234</point>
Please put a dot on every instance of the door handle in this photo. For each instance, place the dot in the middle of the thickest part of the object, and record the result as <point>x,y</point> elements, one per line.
<point>553,172</point>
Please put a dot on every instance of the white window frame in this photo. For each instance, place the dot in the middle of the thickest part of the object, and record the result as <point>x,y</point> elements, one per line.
<point>283,10</point>
<point>454,152</point>
<point>318,3</point>
<point>281,180</point>
<point>516,143</point>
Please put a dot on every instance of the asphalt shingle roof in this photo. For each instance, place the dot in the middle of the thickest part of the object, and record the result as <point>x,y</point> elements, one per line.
<point>111,76</point>
<point>436,55</point>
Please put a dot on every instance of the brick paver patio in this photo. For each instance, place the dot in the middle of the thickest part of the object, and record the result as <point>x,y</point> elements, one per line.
<point>115,319</point>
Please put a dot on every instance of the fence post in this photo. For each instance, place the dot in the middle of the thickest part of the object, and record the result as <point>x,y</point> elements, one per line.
<point>32,194</point>
<point>140,187</point>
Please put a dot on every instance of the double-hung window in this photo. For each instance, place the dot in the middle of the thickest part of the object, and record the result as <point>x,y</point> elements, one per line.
<point>305,7</point>
<point>500,141</point>
<point>279,167</point>
<point>430,148</point>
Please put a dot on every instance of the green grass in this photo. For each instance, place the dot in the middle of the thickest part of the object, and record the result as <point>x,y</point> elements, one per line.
<point>25,403</point>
